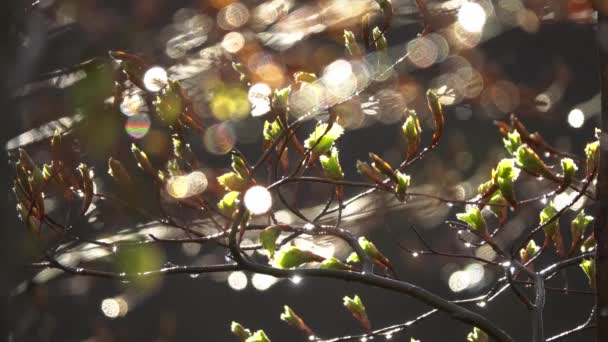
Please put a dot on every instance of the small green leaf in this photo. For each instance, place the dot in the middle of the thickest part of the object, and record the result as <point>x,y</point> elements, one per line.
<point>497,204</point>
<point>331,165</point>
<point>334,264</point>
<point>504,176</point>
<point>370,249</point>
<point>411,129</point>
<point>357,309</point>
<point>354,305</point>
<point>291,318</point>
<point>258,336</point>
<point>321,141</point>
<point>529,251</point>
<point>569,168</point>
<point>588,266</point>
<point>578,226</point>
<point>280,98</point>
<point>240,331</point>
<point>379,39</point>
<point>474,218</point>
<point>592,153</point>
<point>268,238</point>
<point>350,42</point>
<point>477,335</point>
<point>239,166</point>
<point>232,181</point>
<point>437,110</point>
<point>512,142</point>
<point>228,204</point>
<point>292,257</point>
<point>528,160</point>
<point>272,130</point>
<point>545,216</point>
<point>353,258</point>
<point>403,183</point>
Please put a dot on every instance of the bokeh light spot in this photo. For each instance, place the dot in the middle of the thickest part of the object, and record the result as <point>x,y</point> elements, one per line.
<point>155,79</point>
<point>137,126</point>
<point>237,280</point>
<point>258,200</point>
<point>219,139</point>
<point>233,42</point>
<point>187,185</point>
<point>472,17</point>
<point>576,118</point>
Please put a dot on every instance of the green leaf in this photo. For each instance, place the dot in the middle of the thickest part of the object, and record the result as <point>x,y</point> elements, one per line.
<point>569,168</point>
<point>268,238</point>
<point>354,305</point>
<point>588,266</point>
<point>228,204</point>
<point>474,218</point>
<point>512,142</point>
<point>357,309</point>
<point>379,39</point>
<point>437,110</point>
<point>545,216</point>
<point>529,251</point>
<point>331,165</point>
<point>528,160</point>
<point>272,130</point>
<point>304,77</point>
<point>411,129</point>
<point>292,257</point>
<point>281,98</point>
<point>353,258</point>
<point>232,181</point>
<point>239,166</point>
<point>403,183</point>
<point>350,42</point>
<point>291,318</point>
<point>497,203</point>
<point>321,141</point>
<point>240,331</point>
<point>258,336</point>
<point>592,153</point>
<point>578,226</point>
<point>477,335</point>
<point>414,340</point>
<point>334,264</point>
<point>504,176</point>
<point>370,249</point>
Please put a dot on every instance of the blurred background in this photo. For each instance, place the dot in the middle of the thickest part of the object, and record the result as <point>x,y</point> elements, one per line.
<point>487,59</point>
